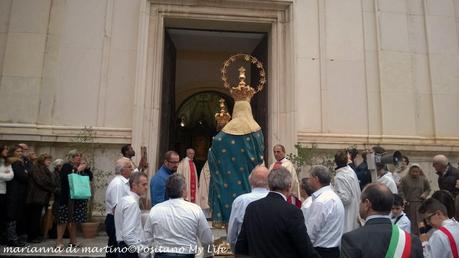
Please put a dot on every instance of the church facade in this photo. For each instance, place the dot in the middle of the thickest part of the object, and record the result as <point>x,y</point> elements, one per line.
<point>339,73</point>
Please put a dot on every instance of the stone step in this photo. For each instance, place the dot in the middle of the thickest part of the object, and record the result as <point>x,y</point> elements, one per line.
<point>93,247</point>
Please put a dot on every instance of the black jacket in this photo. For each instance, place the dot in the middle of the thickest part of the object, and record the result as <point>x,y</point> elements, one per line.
<point>41,185</point>
<point>372,241</point>
<point>273,228</point>
<point>16,190</point>
<point>448,181</point>
<point>67,168</point>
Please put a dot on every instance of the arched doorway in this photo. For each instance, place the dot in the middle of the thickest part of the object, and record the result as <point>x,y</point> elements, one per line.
<point>195,123</point>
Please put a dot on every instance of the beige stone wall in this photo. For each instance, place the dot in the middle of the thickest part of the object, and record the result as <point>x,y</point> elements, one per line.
<point>378,72</point>
<point>341,72</point>
<point>67,64</point>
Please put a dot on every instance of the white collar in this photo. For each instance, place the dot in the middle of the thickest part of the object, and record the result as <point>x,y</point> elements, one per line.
<point>135,196</point>
<point>125,180</point>
<point>259,190</point>
<point>283,196</point>
<point>376,216</point>
<point>318,192</point>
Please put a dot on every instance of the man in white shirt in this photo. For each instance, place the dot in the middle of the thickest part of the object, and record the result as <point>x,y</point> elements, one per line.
<point>326,214</point>
<point>306,194</point>
<point>445,239</point>
<point>281,161</point>
<point>259,181</point>
<point>347,187</point>
<point>187,168</point>
<point>175,226</point>
<point>118,188</point>
<point>128,224</point>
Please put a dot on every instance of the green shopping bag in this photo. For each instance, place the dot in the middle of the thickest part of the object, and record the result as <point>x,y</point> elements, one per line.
<point>80,188</point>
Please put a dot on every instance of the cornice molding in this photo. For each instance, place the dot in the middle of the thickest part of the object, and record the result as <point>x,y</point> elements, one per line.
<point>399,142</point>
<point>54,133</point>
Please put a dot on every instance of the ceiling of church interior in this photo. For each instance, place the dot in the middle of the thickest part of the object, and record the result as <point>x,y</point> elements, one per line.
<point>214,41</point>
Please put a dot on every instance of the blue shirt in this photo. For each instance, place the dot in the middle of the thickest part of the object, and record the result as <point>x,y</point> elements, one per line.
<point>238,212</point>
<point>158,185</point>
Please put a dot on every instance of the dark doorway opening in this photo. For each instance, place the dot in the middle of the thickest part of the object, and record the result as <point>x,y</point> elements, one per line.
<point>192,86</point>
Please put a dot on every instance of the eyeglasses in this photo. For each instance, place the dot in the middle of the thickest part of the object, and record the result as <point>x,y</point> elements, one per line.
<point>429,217</point>
<point>173,162</point>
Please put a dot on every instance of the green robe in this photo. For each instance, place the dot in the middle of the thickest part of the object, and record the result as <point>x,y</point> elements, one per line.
<point>231,159</point>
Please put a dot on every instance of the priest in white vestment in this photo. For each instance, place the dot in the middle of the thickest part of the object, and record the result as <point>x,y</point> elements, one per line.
<point>279,155</point>
<point>347,187</point>
<point>187,168</point>
<point>203,190</point>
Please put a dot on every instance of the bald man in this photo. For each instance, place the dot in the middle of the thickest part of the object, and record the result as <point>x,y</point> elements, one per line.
<point>259,181</point>
<point>448,176</point>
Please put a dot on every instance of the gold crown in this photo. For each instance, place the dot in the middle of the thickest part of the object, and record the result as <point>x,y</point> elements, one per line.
<point>222,117</point>
<point>243,92</point>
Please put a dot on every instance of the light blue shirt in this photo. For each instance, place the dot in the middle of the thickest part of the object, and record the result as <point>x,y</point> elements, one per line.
<point>158,185</point>
<point>238,211</point>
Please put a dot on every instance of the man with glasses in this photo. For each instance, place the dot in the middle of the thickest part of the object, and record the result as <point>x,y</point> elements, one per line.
<point>158,182</point>
<point>444,241</point>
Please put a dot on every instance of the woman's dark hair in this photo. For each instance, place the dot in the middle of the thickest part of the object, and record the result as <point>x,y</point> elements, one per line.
<point>11,154</point>
<point>41,159</point>
<point>5,159</point>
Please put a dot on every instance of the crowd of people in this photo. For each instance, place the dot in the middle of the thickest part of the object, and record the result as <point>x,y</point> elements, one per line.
<point>28,182</point>
<point>324,214</point>
<point>338,213</point>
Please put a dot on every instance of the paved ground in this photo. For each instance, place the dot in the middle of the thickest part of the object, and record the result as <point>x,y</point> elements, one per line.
<point>89,248</point>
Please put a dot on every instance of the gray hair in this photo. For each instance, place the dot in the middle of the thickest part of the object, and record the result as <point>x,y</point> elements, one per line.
<point>120,163</point>
<point>71,154</point>
<point>175,186</point>
<point>279,179</point>
<point>322,173</point>
<point>56,163</point>
<point>440,159</point>
<point>135,178</point>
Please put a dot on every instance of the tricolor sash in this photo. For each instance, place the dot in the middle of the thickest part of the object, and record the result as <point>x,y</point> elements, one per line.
<point>400,244</point>
<point>452,243</point>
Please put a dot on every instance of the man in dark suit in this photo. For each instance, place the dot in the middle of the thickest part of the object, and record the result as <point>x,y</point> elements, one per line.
<point>373,239</point>
<point>272,227</point>
<point>448,176</point>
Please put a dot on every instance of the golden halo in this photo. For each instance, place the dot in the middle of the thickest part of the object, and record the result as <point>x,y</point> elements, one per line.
<point>247,58</point>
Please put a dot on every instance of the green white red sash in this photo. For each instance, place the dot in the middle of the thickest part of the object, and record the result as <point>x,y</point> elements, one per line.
<point>452,242</point>
<point>400,244</point>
